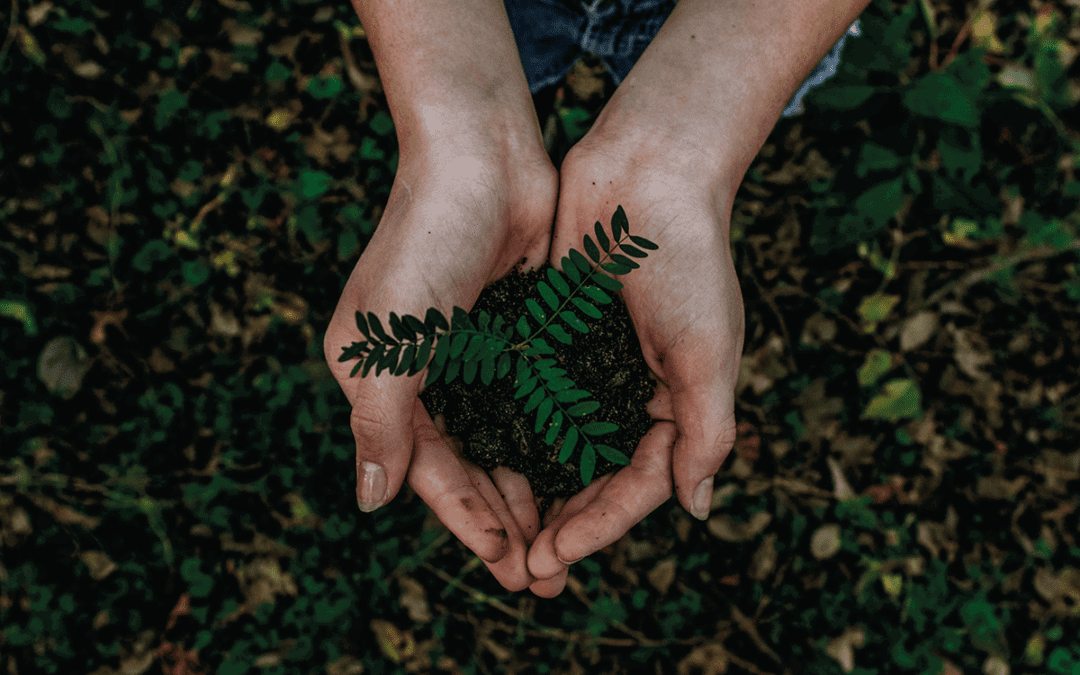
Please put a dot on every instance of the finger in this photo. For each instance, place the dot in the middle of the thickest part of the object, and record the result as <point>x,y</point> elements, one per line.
<point>556,508</point>
<point>549,588</point>
<point>381,422</point>
<point>518,497</point>
<point>438,477</point>
<point>659,406</point>
<point>632,493</point>
<point>544,563</point>
<point>511,571</point>
<point>704,407</point>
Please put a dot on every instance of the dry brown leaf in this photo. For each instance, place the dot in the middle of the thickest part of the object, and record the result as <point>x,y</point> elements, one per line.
<point>764,561</point>
<point>63,365</point>
<point>99,562</point>
<point>346,665</point>
<point>414,600</point>
<point>826,541</point>
<point>842,490</point>
<point>917,330</point>
<point>662,575</point>
<point>726,528</point>
<point>395,644</point>
<point>223,323</point>
<point>710,659</point>
<point>843,648</point>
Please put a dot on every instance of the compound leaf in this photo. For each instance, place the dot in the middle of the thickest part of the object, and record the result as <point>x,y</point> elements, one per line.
<point>534,400</point>
<point>587,309</point>
<point>553,430</point>
<point>457,345</point>
<point>599,428</point>
<point>536,311</point>
<point>548,295</point>
<point>525,388</point>
<point>415,324</point>
<point>542,347</point>
<point>604,281</point>
<point>469,372</point>
<point>591,249</point>
<point>487,370</point>
<point>399,330</point>
<point>461,320</point>
<point>559,334</point>
<point>452,371</point>
<point>434,371</point>
<point>612,455</point>
<point>361,323</point>
<point>615,268</point>
<point>542,413</point>
<point>435,319</point>
<point>376,327</point>
<point>473,349</point>
<point>588,464</point>
<point>574,322</point>
<point>619,223</point>
<point>388,360</point>
<point>571,270</point>
<point>570,395</point>
<point>568,444</point>
<point>422,355</point>
<point>442,349</point>
<point>601,237</point>
<point>558,282</point>
<point>583,408</point>
<point>596,294</point>
<point>407,357</point>
<point>559,384</point>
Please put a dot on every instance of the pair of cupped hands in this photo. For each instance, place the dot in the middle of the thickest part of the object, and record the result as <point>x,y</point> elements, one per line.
<point>463,212</point>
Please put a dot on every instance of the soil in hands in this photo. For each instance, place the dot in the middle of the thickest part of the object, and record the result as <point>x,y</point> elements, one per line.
<point>495,430</point>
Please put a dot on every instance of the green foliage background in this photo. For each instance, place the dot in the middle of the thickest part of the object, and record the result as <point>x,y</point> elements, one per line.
<point>185,187</point>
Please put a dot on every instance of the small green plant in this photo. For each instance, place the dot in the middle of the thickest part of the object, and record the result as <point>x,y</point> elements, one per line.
<point>448,349</point>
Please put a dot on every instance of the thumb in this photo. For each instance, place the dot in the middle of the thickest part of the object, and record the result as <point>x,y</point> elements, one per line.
<point>381,421</point>
<point>704,412</point>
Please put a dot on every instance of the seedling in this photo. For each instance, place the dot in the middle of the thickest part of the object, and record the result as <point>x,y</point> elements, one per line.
<point>489,348</point>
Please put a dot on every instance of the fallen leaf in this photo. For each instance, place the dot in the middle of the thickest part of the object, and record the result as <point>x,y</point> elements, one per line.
<point>62,365</point>
<point>826,541</point>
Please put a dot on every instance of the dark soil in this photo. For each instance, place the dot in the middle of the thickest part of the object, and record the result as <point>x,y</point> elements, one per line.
<point>493,427</point>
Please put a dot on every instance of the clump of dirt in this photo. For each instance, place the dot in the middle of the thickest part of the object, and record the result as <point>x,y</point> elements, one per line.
<point>495,430</point>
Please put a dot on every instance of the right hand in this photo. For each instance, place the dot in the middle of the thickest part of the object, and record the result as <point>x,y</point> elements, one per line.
<point>461,215</point>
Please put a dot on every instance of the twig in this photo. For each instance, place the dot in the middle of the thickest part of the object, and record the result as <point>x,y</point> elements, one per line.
<point>975,276</point>
<point>637,639</point>
<point>10,33</point>
<point>766,294</point>
<point>965,31</point>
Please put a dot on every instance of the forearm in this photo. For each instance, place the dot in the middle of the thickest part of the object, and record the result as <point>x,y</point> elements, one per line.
<point>718,74</point>
<point>449,66</point>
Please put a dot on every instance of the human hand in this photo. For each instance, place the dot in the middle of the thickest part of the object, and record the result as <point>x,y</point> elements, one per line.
<point>686,306</point>
<point>460,215</point>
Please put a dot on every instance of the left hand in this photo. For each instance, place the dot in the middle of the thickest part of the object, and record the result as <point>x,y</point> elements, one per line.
<point>687,309</point>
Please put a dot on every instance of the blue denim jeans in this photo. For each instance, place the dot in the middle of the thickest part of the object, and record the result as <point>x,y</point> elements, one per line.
<point>552,34</point>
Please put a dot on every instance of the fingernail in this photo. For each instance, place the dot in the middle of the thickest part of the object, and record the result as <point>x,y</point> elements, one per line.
<point>372,486</point>
<point>566,562</point>
<point>699,505</point>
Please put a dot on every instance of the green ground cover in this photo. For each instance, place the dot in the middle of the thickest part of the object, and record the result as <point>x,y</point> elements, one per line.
<point>184,189</point>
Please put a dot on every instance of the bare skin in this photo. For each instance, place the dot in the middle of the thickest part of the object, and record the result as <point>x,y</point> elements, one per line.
<point>475,194</point>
